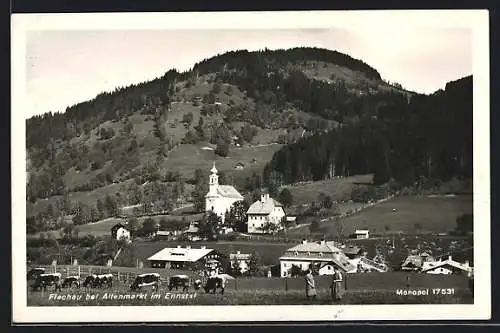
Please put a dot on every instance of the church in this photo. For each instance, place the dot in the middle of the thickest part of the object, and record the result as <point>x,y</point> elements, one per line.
<point>220,198</point>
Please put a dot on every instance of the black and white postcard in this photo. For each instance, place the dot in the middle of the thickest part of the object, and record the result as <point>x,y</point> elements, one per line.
<point>250,166</point>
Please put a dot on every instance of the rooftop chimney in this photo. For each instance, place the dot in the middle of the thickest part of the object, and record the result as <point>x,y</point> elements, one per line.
<point>304,241</point>
<point>178,246</point>
<point>264,197</point>
<point>188,246</point>
<point>322,241</point>
<point>203,247</point>
<point>449,258</point>
<point>238,252</point>
<point>466,263</point>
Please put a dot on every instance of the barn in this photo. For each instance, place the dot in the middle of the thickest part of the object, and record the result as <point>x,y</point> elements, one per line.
<point>186,258</point>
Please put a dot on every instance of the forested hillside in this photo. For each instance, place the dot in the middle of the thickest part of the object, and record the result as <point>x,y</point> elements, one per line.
<point>427,139</point>
<point>266,117</point>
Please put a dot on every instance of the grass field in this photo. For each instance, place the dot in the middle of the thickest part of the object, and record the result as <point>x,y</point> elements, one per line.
<point>371,288</point>
<point>338,189</point>
<point>433,214</point>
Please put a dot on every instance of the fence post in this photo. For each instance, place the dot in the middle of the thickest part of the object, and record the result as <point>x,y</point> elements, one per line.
<point>345,282</point>
<point>286,284</point>
<point>118,276</point>
<point>78,270</point>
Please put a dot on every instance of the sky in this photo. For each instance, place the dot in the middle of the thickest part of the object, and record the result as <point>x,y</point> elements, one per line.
<point>65,67</point>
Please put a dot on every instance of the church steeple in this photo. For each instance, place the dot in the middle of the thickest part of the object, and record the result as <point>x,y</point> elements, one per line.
<point>213,180</point>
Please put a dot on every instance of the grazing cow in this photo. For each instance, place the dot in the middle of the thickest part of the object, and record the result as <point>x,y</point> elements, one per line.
<point>177,281</point>
<point>90,281</point>
<point>71,281</point>
<point>146,280</point>
<point>197,284</point>
<point>35,272</point>
<point>46,280</point>
<point>215,282</point>
<point>104,280</point>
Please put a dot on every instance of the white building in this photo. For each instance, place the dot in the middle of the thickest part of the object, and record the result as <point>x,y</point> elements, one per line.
<point>266,210</point>
<point>324,255</point>
<point>220,198</point>
<point>362,234</point>
<point>120,232</point>
<point>184,258</point>
<point>446,267</point>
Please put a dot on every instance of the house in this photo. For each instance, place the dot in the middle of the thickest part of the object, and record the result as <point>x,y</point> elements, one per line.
<point>186,258</point>
<point>362,234</point>
<point>266,210</point>
<point>412,263</point>
<point>448,266</point>
<point>119,232</point>
<point>323,256</point>
<point>239,166</point>
<point>220,198</point>
<point>192,232</point>
<point>242,260</point>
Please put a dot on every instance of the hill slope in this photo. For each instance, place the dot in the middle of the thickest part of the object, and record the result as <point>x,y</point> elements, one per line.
<point>153,142</point>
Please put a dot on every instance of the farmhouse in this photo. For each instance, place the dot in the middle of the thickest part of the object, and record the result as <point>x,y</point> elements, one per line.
<point>240,260</point>
<point>412,263</point>
<point>324,256</point>
<point>119,231</point>
<point>220,198</point>
<point>362,234</point>
<point>264,211</point>
<point>183,258</point>
<point>448,266</point>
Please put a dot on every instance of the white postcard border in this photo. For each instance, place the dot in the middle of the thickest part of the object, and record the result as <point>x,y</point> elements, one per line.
<point>477,20</point>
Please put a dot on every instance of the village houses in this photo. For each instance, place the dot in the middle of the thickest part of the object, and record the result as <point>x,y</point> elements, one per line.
<point>185,258</point>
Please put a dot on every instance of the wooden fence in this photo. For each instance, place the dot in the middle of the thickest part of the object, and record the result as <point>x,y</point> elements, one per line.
<point>357,281</point>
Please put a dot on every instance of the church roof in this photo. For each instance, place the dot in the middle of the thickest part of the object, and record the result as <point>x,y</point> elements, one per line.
<point>263,208</point>
<point>228,191</point>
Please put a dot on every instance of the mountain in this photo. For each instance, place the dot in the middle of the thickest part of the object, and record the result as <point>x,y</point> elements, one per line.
<point>158,139</point>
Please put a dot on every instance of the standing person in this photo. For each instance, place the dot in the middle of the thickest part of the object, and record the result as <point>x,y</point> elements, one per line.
<point>337,285</point>
<point>310,285</point>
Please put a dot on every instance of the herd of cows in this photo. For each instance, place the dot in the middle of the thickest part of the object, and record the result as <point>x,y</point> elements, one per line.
<point>41,281</point>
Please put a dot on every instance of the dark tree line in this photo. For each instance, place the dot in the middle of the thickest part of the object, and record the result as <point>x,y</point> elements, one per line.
<point>429,138</point>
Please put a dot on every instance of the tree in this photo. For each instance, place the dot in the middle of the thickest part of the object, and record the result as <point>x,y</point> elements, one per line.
<point>133,225</point>
<point>286,198</point>
<point>187,119</point>
<point>222,148</point>
<point>272,189</point>
<point>325,200</point>
<point>164,224</point>
<point>149,226</point>
<point>465,223</point>
<point>296,271</point>
<point>200,190</point>
<point>236,217</point>
<point>314,226</point>
<point>253,264</point>
<point>111,205</point>
<point>209,226</point>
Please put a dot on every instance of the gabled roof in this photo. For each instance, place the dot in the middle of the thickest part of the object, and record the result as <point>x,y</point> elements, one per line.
<point>416,261</point>
<point>263,208</point>
<point>448,262</point>
<point>228,191</point>
<point>239,256</point>
<point>118,226</point>
<point>180,254</point>
<point>326,247</point>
